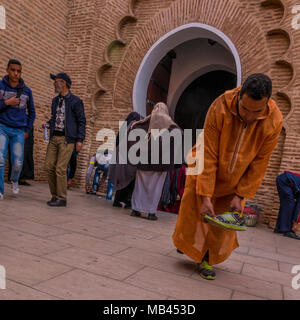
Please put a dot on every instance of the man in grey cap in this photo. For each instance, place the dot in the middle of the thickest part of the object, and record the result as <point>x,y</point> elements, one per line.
<point>67,128</point>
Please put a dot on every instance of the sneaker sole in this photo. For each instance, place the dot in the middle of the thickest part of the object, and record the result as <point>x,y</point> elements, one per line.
<point>222,225</point>
<point>208,277</point>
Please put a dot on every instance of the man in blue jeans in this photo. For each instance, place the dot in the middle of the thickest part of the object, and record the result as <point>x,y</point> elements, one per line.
<point>17,114</point>
<point>288,186</point>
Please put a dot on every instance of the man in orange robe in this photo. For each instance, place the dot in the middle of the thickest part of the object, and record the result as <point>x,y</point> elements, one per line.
<point>241,130</point>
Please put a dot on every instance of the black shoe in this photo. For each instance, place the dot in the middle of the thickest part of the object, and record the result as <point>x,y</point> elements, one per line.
<point>117,204</point>
<point>278,231</point>
<point>53,199</point>
<point>135,213</point>
<point>291,234</point>
<point>180,252</point>
<point>127,206</point>
<point>152,216</point>
<point>24,183</point>
<point>58,203</point>
<point>92,193</point>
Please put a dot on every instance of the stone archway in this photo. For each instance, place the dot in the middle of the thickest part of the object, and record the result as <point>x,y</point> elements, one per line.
<point>172,39</point>
<point>240,28</point>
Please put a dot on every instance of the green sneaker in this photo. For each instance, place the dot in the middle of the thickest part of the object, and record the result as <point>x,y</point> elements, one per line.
<point>206,271</point>
<point>228,220</point>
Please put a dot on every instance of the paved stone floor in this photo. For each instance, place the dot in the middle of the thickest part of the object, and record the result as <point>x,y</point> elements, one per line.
<point>91,250</point>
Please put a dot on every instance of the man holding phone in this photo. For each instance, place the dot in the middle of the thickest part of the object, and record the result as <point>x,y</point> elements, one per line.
<point>17,114</point>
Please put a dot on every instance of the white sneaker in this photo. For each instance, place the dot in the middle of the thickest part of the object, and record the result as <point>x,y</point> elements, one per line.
<point>1,196</point>
<point>15,187</point>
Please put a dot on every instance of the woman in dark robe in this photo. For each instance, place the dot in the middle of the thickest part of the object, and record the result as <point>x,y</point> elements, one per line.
<point>124,194</point>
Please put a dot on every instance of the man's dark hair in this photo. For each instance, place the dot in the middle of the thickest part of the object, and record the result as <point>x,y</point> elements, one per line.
<point>13,61</point>
<point>257,86</point>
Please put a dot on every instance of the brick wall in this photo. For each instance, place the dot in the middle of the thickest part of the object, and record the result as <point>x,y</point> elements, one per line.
<point>36,34</point>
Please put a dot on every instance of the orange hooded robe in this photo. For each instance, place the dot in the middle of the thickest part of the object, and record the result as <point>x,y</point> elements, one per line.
<point>236,157</point>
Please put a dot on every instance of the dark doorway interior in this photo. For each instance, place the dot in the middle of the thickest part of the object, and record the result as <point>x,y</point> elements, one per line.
<point>159,83</point>
<point>195,101</point>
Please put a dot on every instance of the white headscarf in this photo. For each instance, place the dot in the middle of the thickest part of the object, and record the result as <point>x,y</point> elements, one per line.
<point>159,120</point>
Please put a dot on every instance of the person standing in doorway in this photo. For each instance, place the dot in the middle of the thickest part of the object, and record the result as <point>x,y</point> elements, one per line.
<point>17,114</point>
<point>67,128</point>
<point>150,178</point>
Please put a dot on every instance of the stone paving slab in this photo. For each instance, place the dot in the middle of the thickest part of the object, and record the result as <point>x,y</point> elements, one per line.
<point>34,228</point>
<point>177,286</point>
<point>16,291</point>
<point>160,262</point>
<point>285,267</point>
<point>91,250</point>
<point>28,269</point>
<point>90,243</point>
<point>111,267</point>
<point>291,294</point>
<point>31,244</point>
<point>153,245</point>
<point>243,296</point>
<point>82,285</point>
<point>275,256</point>
<point>246,284</point>
<point>269,275</point>
<point>257,261</point>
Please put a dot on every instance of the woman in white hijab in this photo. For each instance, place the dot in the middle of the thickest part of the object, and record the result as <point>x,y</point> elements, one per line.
<point>149,183</point>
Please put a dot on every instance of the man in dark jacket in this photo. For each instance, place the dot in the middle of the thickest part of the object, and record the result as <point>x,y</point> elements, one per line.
<point>67,128</point>
<point>288,186</point>
<point>17,114</point>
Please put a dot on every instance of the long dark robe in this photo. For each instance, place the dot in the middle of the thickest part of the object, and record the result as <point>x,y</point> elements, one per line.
<point>117,172</point>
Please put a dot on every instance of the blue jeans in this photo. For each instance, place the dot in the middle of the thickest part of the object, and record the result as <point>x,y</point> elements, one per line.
<point>101,168</point>
<point>287,186</point>
<point>15,138</point>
